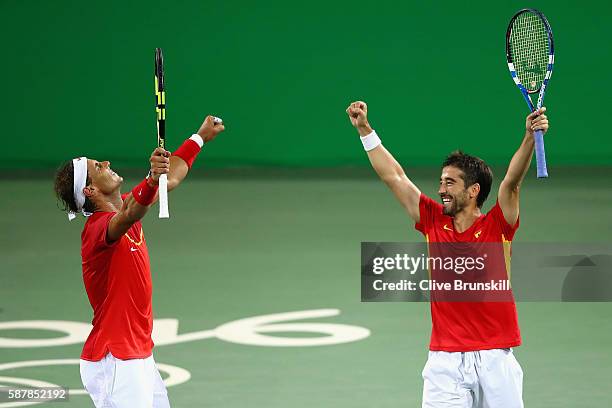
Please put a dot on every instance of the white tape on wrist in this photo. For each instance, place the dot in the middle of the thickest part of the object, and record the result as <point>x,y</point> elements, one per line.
<point>370,141</point>
<point>198,139</point>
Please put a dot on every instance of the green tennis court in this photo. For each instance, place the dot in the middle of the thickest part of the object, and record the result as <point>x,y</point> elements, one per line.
<point>248,243</point>
<point>257,273</point>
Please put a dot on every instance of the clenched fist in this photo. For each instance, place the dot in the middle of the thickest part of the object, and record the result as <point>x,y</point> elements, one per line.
<point>210,128</point>
<point>358,114</point>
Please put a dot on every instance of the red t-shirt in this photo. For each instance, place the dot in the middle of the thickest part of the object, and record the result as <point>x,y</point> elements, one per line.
<point>117,279</point>
<point>470,326</point>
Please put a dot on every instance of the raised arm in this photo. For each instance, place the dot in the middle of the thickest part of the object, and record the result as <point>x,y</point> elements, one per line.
<point>508,195</point>
<point>136,204</point>
<point>385,165</point>
<point>178,166</point>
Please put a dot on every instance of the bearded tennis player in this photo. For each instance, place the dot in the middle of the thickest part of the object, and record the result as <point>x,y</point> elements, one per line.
<point>117,365</point>
<point>470,363</point>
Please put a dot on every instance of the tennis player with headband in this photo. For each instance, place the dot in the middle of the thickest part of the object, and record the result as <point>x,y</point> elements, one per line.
<point>470,363</point>
<point>117,366</point>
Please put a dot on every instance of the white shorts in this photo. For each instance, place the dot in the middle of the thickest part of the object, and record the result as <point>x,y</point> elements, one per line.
<point>114,383</point>
<point>482,379</point>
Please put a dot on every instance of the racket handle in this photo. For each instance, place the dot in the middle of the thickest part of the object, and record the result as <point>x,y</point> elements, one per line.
<point>163,196</point>
<point>538,138</point>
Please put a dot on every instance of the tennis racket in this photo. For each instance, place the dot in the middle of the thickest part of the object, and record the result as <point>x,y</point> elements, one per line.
<point>160,108</point>
<point>530,54</point>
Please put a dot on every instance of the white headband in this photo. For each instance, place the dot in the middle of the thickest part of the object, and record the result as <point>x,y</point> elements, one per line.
<point>80,179</point>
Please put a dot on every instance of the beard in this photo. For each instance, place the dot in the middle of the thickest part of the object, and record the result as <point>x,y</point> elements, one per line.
<point>457,203</point>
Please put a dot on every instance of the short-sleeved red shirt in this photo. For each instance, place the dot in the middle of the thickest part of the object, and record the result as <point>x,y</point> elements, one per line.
<point>469,326</point>
<point>117,279</point>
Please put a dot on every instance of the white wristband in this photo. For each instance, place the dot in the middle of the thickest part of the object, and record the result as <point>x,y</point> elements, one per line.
<point>370,141</point>
<point>198,139</point>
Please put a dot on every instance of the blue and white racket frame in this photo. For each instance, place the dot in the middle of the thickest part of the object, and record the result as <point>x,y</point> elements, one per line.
<point>538,136</point>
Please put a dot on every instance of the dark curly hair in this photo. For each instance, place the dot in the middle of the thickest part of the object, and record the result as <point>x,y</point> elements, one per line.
<point>64,188</point>
<point>475,170</point>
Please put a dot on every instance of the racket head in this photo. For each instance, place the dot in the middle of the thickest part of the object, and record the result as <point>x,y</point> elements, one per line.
<point>530,49</point>
<point>160,98</point>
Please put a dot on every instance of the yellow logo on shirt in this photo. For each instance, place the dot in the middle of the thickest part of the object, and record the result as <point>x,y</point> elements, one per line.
<point>446,228</point>
<point>477,234</point>
<point>133,241</point>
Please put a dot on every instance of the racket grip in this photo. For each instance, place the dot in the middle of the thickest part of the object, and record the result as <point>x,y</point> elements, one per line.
<point>163,196</point>
<point>538,138</point>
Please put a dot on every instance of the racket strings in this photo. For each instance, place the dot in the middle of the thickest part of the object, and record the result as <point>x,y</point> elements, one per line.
<point>529,47</point>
